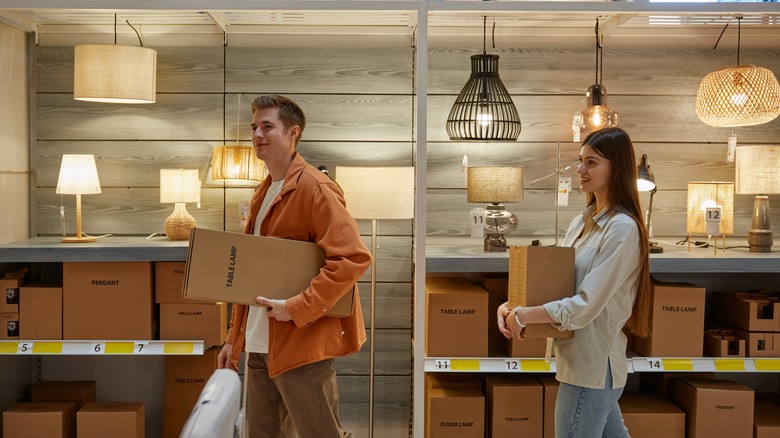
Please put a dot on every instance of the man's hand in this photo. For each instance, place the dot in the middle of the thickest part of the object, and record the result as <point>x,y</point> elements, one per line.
<point>224,359</point>
<point>276,309</point>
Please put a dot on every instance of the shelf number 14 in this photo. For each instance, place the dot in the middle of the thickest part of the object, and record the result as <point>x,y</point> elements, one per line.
<point>655,364</point>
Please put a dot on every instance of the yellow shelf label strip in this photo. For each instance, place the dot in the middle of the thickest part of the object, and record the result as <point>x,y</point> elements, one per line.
<point>678,365</point>
<point>47,348</point>
<point>8,347</point>
<point>729,364</point>
<point>464,364</point>
<point>534,365</point>
<point>178,347</point>
<point>119,347</point>
<point>767,364</point>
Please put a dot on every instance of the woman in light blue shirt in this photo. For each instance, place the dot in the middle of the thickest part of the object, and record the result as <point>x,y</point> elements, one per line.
<point>612,282</point>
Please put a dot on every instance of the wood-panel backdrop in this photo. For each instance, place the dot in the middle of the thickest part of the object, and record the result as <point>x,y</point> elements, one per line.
<point>358,105</point>
<point>654,92</point>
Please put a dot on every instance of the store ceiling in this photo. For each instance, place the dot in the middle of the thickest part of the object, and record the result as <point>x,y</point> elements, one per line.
<point>760,29</point>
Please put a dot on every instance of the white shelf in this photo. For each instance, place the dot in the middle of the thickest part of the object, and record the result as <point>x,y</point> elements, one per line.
<point>102,348</point>
<point>635,365</point>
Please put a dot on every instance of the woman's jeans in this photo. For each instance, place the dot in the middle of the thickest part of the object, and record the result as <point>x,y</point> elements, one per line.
<point>589,413</point>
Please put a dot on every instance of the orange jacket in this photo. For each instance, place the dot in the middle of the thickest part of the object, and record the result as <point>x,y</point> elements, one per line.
<point>310,207</point>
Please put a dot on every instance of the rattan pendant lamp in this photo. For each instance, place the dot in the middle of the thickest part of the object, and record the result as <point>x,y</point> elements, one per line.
<point>484,109</point>
<point>740,95</point>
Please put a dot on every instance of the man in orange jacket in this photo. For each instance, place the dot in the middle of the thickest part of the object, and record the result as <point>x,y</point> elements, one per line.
<point>291,344</point>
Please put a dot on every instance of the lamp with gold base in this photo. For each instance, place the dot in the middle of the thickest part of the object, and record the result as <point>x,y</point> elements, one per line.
<point>179,186</point>
<point>78,176</point>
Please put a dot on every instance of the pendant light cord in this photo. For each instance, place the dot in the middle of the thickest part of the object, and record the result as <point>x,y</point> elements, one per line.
<point>238,120</point>
<point>598,54</point>
<point>114,29</point>
<point>484,33</point>
<point>131,27</point>
<point>739,34</point>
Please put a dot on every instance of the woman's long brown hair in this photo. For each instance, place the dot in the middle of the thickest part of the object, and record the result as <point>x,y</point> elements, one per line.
<point>615,145</point>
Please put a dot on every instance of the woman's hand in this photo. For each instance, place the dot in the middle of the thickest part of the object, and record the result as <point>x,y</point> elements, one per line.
<point>503,312</point>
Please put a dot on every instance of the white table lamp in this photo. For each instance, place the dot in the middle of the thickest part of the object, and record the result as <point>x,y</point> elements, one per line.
<point>78,176</point>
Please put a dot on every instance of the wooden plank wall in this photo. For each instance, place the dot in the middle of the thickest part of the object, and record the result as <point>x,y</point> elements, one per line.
<point>358,104</point>
<point>653,91</point>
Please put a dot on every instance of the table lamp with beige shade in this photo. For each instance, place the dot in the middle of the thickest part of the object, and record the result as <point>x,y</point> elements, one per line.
<point>78,176</point>
<point>758,173</point>
<point>179,186</point>
<point>496,185</point>
<point>710,194</point>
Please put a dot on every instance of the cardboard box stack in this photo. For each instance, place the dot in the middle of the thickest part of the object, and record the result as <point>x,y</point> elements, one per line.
<point>766,419</point>
<point>40,312</point>
<point>457,318</point>
<point>9,304</point>
<point>78,392</point>
<point>185,378</point>
<point>650,416</point>
<point>111,419</point>
<point>186,319</point>
<point>676,322</point>
<point>454,406</point>
<point>107,300</point>
<point>723,343</point>
<point>550,386</point>
<point>715,408</point>
<point>757,316</point>
<point>515,406</point>
<point>538,275</point>
<point>40,420</point>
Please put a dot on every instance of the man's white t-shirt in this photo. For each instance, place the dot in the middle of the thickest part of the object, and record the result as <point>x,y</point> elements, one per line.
<point>257,321</point>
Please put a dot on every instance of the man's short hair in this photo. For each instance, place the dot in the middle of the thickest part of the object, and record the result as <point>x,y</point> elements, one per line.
<point>289,112</point>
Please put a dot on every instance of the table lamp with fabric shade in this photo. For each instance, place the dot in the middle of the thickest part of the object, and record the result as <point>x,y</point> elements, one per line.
<point>179,186</point>
<point>78,176</point>
<point>496,185</point>
<point>758,173</point>
<point>710,194</point>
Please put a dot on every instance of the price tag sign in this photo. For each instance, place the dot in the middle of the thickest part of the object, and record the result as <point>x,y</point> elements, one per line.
<point>141,348</point>
<point>25,348</point>
<point>442,364</point>
<point>712,217</point>
<point>512,365</point>
<point>655,364</point>
<point>96,348</point>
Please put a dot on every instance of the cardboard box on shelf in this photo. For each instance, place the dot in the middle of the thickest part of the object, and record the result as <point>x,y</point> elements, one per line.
<point>662,384</point>
<point>715,407</point>
<point>40,312</point>
<point>456,322</point>
<point>79,392</point>
<point>766,420</point>
<point>107,300</point>
<point>185,378</point>
<point>650,416</point>
<point>236,268</point>
<point>760,344</point>
<point>676,322</point>
<point>456,409</point>
<point>538,275</point>
<point>515,406</point>
<point>40,420</point>
<point>528,347</point>
<point>723,343</point>
<point>497,286</point>
<point>9,326</point>
<point>550,386</point>
<point>753,312</point>
<point>111,419</point>
<point>169,283</point>
<point>194,321</point>
<point>9,287</point>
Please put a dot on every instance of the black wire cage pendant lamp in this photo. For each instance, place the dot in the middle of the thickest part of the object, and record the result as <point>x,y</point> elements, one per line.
<point>484,109</point>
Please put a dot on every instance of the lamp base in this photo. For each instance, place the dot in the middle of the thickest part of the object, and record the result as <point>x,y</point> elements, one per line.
<point>180,223</point>
<point>760,234</point>
<point>495,243</point>
<point>655,248</point>
<point>78,239</point>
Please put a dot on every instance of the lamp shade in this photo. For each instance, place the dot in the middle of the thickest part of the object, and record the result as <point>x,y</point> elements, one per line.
<point>236,162</point>
<point>179,185</point>
<point>78,175</point>
<point>114,74</point>
<point>741,95</point>
<point>378,192</point>
<point>495,184</point>
<point>758,170</point>
<point>484,109</point>
<point>645,180</point>
<point>703,195</point>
